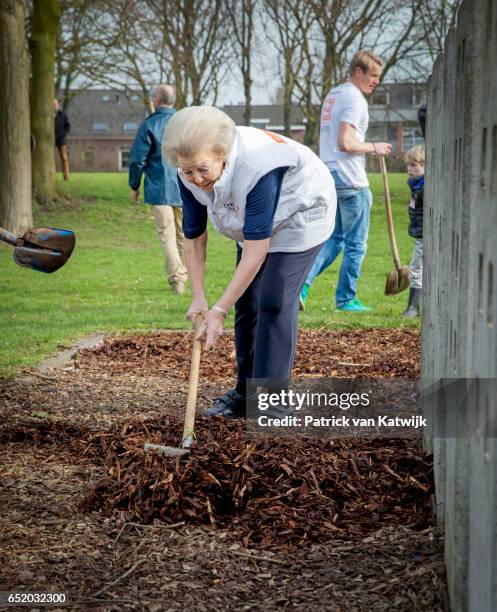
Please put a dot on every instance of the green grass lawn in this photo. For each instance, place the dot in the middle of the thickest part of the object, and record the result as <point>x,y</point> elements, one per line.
<point>115,280</point>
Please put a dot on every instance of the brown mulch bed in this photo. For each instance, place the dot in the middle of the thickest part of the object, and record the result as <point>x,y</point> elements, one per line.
<point>267,492</point>
<point>270,493</point>
<point>253,524</point>
<point>372,353</point>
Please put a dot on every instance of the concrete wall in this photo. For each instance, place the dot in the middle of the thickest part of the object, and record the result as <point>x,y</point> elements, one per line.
<point>460,286</point>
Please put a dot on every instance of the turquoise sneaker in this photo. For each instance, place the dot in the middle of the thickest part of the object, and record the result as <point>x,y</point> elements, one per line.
<point>304,294</point>
<point>354,305</point>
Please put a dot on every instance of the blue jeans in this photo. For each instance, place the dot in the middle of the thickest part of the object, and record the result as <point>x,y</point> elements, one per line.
<point>351,235</point>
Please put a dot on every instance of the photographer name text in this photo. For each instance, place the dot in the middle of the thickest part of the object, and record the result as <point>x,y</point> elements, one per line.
<point>342,421</point>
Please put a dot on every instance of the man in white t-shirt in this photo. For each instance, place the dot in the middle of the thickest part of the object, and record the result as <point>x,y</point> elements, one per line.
<point>343,148</point>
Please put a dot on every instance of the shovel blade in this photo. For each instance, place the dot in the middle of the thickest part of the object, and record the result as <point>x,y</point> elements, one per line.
<point>50,239</point>
<point>44,249</point>
<point>39,259</point>
<point>397,281</point>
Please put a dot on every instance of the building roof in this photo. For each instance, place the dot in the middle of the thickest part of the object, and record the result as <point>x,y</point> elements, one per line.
<point>105,113</point>
<point>109,113</point>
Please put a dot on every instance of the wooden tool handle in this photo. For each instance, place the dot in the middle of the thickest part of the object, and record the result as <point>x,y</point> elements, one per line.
<point>9,237</point>
<point>191,401</point>
<point>388,209</point>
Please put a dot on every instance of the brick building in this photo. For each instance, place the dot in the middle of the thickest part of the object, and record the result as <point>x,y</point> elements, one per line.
<point>103,126</point>
<point>104,123</point>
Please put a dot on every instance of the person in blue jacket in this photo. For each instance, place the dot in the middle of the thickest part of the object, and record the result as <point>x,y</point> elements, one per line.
<point>160,186</point>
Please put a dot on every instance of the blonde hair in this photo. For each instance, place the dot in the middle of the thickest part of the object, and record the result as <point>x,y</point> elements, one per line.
<point>416,155</point>
<point>198,128</point>
<point>363,60</point>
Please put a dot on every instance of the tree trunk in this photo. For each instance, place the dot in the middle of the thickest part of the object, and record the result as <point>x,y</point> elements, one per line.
<point>15,160</point>
<point>246,69</point>
<point>247,29</point>
<point>311,131</point>
<point>329,66</point>
<point>179,86</point>
<point>44,22</point>
<point>247,87</point>
<point>287,95</point>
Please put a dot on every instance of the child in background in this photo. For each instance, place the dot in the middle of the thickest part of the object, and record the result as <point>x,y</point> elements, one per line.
<point>415,162</point>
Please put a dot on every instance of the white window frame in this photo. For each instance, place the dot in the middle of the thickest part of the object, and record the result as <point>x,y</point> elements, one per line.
<point>121,151</point>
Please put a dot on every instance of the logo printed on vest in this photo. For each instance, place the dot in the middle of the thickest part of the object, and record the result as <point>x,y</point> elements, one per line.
<point>232,207</point>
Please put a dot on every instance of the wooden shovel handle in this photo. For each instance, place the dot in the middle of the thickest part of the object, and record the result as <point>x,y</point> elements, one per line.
<point>9,237</point>
<point>191,401</point>
<point>388,209</point>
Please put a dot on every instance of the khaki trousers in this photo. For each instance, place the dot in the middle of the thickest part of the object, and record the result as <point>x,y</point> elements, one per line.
<point>64,161</point>
<point>168,220</point>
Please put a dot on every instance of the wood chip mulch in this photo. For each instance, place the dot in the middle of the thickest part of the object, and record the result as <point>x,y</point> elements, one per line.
<point>243,523</point>
<point>372,353</point>
<point>270,493</point>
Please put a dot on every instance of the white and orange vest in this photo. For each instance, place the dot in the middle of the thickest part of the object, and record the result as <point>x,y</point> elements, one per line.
<point>305,215</point>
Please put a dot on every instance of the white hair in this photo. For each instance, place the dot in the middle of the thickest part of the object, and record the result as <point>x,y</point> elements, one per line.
<point>198,128</point>
<point>166,94</point>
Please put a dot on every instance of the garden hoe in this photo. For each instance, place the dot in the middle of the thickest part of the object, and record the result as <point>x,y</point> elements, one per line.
<point>188,427</point>
<point>44,249</point>
<point>398,280</point>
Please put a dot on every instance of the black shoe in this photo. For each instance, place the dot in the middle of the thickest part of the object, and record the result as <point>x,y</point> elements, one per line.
<point>412,309</point>
<point>231,405</point>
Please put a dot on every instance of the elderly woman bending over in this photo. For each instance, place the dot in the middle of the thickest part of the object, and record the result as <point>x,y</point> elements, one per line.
<point>277,200</point>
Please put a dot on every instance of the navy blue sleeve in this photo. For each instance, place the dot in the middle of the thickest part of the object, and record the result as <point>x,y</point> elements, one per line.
<point>194,213</point>
<point>261,205</point>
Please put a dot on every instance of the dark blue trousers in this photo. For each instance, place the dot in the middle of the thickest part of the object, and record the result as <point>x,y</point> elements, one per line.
<point>266,317</point>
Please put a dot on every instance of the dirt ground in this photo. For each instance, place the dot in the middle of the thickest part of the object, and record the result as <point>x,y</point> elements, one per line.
<point>51,542</point>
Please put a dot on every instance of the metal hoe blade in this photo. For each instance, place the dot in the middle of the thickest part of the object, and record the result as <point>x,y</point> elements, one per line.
<point>165,451</point>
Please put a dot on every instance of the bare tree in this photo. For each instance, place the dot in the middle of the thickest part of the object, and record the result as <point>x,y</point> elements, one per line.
<point>137,43</point>
<point>242,15</point>
<point>195,34</point>
<point>80,48</point>
<point>327,33</point>
<point>292,22</point>
<point>15,161</point>
<point>44,25</point>
<point>435,18</point>
<point>134,52</point>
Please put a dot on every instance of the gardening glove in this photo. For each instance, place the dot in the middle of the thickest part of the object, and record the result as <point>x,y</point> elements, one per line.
<point>211,327</point>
